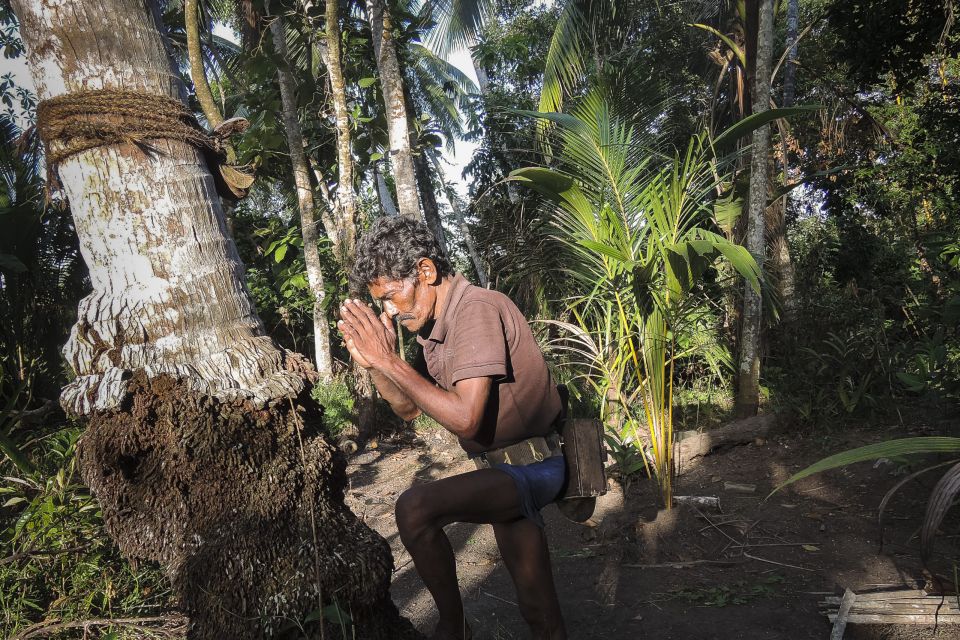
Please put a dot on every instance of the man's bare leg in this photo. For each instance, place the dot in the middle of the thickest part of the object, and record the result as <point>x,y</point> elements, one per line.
<point>480,497</point>
<point>523,547</point>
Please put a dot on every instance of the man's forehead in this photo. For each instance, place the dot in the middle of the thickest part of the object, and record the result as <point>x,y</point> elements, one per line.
<point>383,286</point>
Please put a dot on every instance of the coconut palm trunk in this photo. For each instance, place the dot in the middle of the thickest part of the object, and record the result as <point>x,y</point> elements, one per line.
<point>346,200</point>
<point>461,223</point>
<point>201,445</point>
<point>748,390</point>
<point>779,247</point>
<point>305,203</point>
<point>383,193</point>
<point>391,81</point>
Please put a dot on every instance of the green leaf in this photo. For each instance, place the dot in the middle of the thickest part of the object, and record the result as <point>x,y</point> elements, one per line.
<point>546,181</point>
<point>889,449</point>
<point>280,252</point>
<point>335,614</point>
<point>13,501</point>
<point>11,264</point>
<point>607,250</point>
<point>366,82</point>
<point>726,212</point>
<point>727,41</point>
<point>912,381</point>
<point>746,126</point>
<point>376,156</point>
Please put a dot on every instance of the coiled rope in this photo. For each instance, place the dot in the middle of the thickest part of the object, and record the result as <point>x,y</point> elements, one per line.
<point>76,122</point>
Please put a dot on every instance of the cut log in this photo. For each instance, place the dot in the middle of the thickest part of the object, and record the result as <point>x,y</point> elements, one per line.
<point>692,445</point>
<point>710,503</point>
<point>908,606</point>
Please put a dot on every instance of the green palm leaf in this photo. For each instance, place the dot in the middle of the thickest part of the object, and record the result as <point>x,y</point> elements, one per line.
<point>889,449</point>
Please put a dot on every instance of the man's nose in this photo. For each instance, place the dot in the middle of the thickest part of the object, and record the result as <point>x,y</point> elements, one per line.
<point>390,309</point>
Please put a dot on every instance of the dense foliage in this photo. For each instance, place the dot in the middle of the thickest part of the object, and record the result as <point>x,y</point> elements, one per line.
<point>638,93</point>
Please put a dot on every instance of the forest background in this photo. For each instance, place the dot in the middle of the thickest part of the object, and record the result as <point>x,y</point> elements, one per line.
<point>683,257</point>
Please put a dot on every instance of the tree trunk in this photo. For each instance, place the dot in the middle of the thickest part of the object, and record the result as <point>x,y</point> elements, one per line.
<point>483,81</point>
<point>779,246</point>
<point>428,197</point>
<point>748,391</point>
<point>790,70</point>
<point>346,201</point>
<point>383,193</point>
<point>191,18</point>
<point>431,210</point>
<point>201,446</point>
<point>462,223</point>
<point>391,80</point>
<point>305,202</point>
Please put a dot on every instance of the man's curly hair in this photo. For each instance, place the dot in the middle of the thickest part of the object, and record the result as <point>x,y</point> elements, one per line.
<point>391,249</point>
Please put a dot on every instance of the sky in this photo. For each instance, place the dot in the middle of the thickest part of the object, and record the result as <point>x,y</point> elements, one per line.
<point>463,151</point>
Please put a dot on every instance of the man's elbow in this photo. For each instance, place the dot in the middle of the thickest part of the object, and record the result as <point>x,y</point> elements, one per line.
<point>468,428</point>
<point>408,414</point>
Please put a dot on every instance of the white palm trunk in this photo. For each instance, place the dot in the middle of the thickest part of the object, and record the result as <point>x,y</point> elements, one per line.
<point>216,466</point>
<point>391,80</point>
<point>305,203</point>
<point>168,291</point>
<point>748,392</point>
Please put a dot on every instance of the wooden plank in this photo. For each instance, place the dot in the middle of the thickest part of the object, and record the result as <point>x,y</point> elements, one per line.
<point>883,595</point>
<point>840,622</point>
<point>889,618</point>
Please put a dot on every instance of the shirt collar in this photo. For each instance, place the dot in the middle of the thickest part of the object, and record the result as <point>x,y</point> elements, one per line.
<point>458,286</point>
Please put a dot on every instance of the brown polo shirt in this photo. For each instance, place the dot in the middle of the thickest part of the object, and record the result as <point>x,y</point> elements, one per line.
<point>482,333</point>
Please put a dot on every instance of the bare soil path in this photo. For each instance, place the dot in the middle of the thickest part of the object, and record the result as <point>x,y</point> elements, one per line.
<point>755,570</point>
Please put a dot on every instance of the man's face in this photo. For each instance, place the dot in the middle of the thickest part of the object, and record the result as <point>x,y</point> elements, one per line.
<point>410,301</point>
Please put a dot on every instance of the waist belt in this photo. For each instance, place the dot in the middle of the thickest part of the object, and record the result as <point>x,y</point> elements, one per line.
<point>527,451</point>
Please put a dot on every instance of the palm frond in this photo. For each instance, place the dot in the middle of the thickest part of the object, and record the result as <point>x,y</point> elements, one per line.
<point>888,449</point>
<point>457,23</point>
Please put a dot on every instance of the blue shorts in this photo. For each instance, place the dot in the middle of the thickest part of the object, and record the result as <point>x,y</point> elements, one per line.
<point>539,484</point>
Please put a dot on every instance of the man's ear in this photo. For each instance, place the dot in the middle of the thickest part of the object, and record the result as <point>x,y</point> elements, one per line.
<point>427,271</point>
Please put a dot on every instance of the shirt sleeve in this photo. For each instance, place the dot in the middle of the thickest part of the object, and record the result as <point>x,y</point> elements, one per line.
<point>480,344</point>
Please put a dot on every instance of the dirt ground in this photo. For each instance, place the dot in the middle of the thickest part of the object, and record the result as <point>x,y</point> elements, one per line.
<point>757,569</point>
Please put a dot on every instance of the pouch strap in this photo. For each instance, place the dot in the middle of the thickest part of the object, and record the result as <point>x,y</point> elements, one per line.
<point>521,453</point>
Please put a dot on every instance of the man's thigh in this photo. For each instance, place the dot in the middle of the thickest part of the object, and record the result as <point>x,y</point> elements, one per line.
<point>484,496</point>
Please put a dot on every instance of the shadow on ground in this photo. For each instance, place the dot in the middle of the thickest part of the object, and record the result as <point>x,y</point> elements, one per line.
<point>756,569</point>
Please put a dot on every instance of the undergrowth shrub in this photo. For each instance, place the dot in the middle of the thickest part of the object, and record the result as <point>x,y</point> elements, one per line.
<point>339,404</point>
<point>58,562</point>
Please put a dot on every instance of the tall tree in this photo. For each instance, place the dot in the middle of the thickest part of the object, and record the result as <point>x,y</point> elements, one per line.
<point>461,223</point>
<point>779,247</point>
<point>346,202</point>
<point>200,444</point>
<point>191,17</point>
<point>306,203</point>
<point>398,128</point>
<point>748,390</point>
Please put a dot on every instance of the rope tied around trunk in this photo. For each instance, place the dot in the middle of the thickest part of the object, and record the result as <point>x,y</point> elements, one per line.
<point>85,120</point>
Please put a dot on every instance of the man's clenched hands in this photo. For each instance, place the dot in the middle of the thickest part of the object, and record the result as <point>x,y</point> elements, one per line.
<point>370,340</point>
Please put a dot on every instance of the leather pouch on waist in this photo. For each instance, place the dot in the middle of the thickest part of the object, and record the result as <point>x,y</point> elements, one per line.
<point>584,453</point>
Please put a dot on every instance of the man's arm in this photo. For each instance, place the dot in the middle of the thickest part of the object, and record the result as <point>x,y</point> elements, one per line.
<point>399,402</point>
<point>370,341</point>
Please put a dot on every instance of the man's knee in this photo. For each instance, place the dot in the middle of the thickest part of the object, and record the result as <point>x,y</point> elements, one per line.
<point>414,513</point>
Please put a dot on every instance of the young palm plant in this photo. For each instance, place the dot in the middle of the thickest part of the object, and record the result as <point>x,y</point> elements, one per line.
<point>638,227</point>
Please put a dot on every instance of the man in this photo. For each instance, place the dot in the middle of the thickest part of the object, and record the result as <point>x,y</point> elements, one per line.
<point>481,375</point>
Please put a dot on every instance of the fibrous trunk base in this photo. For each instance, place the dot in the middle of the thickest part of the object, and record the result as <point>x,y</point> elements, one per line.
<point>243,506</point>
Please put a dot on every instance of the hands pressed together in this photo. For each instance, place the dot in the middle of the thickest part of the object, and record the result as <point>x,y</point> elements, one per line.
<point>371,340</point>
